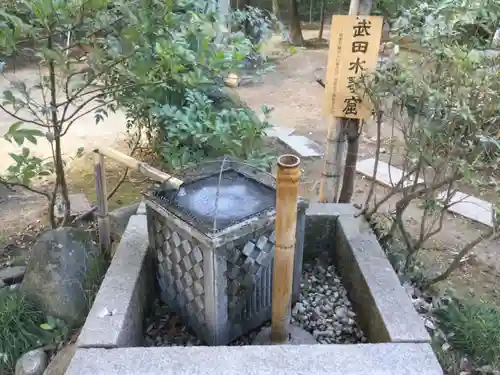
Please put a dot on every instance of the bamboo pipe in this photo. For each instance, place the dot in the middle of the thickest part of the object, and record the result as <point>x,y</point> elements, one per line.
<point>143,168</point>
<point>287,192</point>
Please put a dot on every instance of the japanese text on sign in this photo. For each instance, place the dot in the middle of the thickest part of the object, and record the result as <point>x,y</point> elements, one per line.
<point>354,47</point>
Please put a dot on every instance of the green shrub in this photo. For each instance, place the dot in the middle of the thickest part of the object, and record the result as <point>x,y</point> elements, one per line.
<point>171,82</point>
<point>474,329</point>
<point>20,329</point>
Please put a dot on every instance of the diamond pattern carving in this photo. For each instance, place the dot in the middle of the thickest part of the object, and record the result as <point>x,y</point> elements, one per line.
<point>180,272</point>
<point>244,268</point>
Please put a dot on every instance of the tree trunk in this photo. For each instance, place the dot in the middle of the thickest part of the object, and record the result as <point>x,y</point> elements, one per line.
<point>276,9</point>
<point>351,130</point>
<point>295,29</point>
<point>311,11</point>
<point>321,20</point>
<point>58,161</point>
<point>365,7</point>
<point>244,5</point>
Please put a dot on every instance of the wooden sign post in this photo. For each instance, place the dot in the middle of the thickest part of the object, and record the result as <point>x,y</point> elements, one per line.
<point>354,48</point>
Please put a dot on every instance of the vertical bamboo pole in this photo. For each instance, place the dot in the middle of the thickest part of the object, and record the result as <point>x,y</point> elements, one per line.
<point>102,202</point>
<point>287,193</point>
<point>334,154</point>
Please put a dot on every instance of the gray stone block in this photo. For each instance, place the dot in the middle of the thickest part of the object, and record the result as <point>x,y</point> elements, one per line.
<point>119,218</point>
<point>219,282</point>
<point>384,309</point>
<point>141,210</point>
<point>116,318</point>
<point>364,359</point>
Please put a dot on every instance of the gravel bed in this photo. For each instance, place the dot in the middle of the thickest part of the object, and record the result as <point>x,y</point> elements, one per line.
<point>323,310</point>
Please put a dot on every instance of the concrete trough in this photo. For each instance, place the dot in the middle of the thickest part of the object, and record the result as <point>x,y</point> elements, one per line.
<point>111,339</point>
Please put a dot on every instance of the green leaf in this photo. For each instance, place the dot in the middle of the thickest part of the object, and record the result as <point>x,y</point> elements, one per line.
<point>9,96</point>
<point>79,152</point>
<point>52,321</point>
<point>18,139</point>
<point>46,327</point>
<point>17,158</point>
<point>31,139</point>
<point>14,127</point>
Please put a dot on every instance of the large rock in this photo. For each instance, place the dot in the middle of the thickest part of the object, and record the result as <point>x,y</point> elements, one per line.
<point>61,361</point>
<point>12,275</point>
<point>32,363</point>
<point>63,265</point>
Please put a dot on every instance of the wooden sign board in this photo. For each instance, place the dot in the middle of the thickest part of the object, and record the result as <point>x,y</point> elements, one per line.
<point>354,49</point>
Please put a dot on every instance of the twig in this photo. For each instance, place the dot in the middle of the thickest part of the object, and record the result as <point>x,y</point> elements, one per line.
<point>12,114</point>
<point>320,82</point>
<point>10,185</point>
<point>458,258</point>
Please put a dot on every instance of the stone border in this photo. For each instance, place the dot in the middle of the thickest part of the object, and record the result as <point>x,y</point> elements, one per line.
<point>117,315</point>
<point>363,359</point>
<point>384,309</point>
<point>105,345</point>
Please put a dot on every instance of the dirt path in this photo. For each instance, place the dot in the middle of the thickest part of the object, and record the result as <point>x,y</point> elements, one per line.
<point>84,133</point>
<point>297,100</point>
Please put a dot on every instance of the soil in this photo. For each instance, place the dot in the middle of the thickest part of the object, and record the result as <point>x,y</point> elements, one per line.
<point>291,89</point>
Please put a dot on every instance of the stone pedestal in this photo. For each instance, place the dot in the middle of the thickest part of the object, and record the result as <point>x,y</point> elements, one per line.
<point>219,281</point>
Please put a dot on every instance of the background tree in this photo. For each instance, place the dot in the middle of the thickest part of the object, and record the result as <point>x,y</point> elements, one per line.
<point>296,37</point>
<point>322,20</point>
<point>46,111</point>
<point>171,84</point>
<point>443,104</point>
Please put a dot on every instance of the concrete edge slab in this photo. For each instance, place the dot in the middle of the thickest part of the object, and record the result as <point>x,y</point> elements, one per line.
<point>470,207</point>
<point>279,131</point>
<point>387,175</point>
<point>116,317</point>
<point>302,145</point>
<point>363,359</point>
<point>386,312</point>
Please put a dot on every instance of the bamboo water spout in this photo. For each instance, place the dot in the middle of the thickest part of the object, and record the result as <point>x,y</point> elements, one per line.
<point>101,189</point>
<point>287,191</point>
<point>143,168</point>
